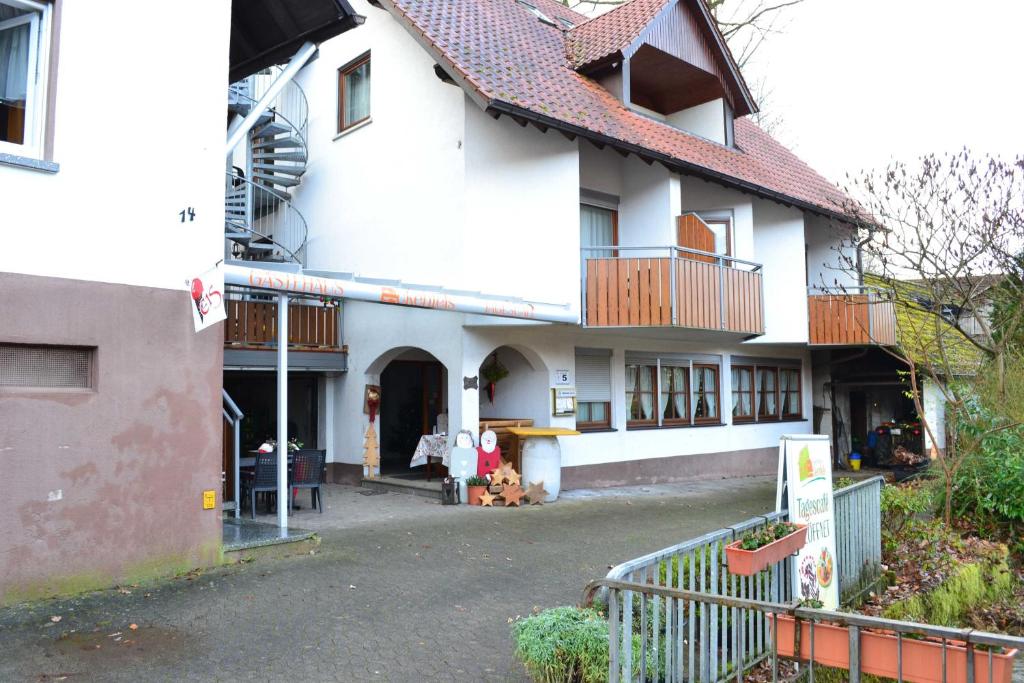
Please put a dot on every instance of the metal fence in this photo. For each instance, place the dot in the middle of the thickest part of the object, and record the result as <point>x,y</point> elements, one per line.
<point>707,643</point>
<point>780,640</point>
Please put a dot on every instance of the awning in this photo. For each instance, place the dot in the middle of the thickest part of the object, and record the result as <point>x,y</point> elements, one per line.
<point>436,298</point>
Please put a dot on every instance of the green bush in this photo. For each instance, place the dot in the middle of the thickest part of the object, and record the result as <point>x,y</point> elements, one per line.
<point>902,505</point>
<point>566,645</point>
<point>990,483</point>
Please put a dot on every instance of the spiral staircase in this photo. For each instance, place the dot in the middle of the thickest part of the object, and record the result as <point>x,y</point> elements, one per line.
<point>260,221</point>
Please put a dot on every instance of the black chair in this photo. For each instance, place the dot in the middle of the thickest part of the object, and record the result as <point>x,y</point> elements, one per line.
<point>263,479</point>
<point>307,473</point>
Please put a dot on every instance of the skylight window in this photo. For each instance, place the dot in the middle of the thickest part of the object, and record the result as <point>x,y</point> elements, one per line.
<point>536,12</point>
<point>566,23</point>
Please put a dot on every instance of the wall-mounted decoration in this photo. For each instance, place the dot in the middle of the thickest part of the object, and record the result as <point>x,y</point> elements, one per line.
<point>371,401</point>
<point>470,383</point>
<point>493,372</point>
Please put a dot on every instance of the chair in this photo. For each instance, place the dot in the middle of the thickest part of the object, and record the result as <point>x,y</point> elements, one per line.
<point>307,473</point>
<point>263,479</point>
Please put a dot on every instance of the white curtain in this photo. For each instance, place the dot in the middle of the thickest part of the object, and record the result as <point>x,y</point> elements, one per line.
<point>741,392</point>
<point>596,229</point>
<point>647,386</point>
<point>357,94</point>
<point>630,384</point>
<point>673,392</point>
<point>14,44</point>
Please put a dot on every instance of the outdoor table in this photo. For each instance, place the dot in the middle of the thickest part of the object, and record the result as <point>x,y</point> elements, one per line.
<point>542,456</point>
<point>250,463</point>
<point>430,446</point>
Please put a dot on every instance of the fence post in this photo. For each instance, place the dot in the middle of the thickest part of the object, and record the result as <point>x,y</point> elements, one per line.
<point>613,635</point>
<point>854,653</point>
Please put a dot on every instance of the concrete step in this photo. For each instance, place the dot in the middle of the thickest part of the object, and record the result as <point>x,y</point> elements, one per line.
<point>415,487</point>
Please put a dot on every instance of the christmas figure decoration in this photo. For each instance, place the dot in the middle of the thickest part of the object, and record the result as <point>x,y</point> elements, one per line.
<point>462,461</point>
<point>371,401</point>
<point>487,499</point>
<point>536,493</point>
<point>512,493</point>
<point>488,453</point>
<point>371,458</point>
<point>513,477</point>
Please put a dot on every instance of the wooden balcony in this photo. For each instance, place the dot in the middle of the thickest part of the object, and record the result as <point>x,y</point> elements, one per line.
<point>684,289</point>
<point>855,318</point>
<point>252,324</point>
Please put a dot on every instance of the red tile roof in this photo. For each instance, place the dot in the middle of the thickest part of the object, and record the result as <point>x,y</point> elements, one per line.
<point>513,63</point>
<point>611,32</point>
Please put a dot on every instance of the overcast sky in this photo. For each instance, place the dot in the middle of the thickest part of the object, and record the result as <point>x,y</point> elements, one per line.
<point>860,82</point>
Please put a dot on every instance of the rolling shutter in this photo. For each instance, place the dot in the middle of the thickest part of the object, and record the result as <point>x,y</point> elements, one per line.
<point>593,375</point>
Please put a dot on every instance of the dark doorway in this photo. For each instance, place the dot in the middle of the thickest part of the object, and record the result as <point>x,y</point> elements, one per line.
<point>412,396</point>
<point>859,424</point>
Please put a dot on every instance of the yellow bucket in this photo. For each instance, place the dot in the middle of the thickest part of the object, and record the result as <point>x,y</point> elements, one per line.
<point>855,464</point>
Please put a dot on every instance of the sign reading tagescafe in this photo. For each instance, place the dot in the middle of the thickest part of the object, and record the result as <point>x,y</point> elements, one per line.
<point>805,484</point>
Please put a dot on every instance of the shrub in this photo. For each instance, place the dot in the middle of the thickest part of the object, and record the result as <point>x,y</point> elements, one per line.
<point>567,645</point>
<point>901,505</point>
<point>990,483</point>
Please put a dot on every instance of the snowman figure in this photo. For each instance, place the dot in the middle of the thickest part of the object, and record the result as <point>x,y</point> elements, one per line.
<point>463,461</point>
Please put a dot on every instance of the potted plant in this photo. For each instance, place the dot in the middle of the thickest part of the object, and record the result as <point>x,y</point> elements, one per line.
<point>760,548</point>
<point>493,372</point>
<point>475,487</point>
<point>921,657</point>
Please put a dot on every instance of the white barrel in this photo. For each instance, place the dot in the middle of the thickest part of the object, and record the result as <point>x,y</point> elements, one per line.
<point>542,461</point>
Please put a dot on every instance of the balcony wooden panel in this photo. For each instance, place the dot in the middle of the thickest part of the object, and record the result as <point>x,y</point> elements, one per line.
<point>253,325</point>
<point>850,320</point>
<point>637,292</point>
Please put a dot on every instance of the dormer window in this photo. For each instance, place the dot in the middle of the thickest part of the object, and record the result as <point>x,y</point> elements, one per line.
<point>535,11</point>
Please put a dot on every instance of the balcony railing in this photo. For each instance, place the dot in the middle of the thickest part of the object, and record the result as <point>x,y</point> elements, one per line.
<point>851,316</point>
<point>252,324</point>
<point>671,287</point>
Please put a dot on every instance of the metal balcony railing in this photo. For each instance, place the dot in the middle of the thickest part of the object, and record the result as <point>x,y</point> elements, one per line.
<point>671,286</point>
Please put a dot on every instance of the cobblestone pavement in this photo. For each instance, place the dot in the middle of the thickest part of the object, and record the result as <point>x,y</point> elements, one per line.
<point>401,589</point>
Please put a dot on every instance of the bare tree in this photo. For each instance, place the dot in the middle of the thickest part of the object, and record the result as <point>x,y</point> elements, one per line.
<point>944,237</point>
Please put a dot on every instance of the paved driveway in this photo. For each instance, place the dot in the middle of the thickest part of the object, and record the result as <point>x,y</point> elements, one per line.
<point>401,589</point>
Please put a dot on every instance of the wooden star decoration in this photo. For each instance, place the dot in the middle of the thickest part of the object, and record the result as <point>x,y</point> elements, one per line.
<point>513,477</point>
<point>512,493</point>
<point>487,499</point>
<point>498,475</point>
<point>506,469</point>
<point>536,493</point>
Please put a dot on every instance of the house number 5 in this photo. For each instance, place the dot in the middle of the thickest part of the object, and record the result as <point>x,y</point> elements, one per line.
<point>190,212</point>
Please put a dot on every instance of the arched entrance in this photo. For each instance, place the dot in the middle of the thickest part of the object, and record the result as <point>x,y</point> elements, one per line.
<point>520,399</point>
<point>413,402</point>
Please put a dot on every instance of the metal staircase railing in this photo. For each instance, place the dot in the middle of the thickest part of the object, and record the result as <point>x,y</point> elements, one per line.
<point>260,223</point>
<point>234,415</point>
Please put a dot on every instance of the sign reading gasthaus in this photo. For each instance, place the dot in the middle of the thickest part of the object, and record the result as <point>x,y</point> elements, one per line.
<point>805,479</point>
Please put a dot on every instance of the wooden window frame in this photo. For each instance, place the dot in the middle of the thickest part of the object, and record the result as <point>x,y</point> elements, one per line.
<point>687,409</point>
<point>615,227</point>
<point>653,422</point>
<point>717,418</point>
<point>344,72</point>
<point>799,414</point>
<point>752,415</point>
<point>592,425</point>
<point>774,417</point>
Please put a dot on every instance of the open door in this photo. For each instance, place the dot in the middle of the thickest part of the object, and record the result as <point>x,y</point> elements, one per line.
<point>693,233</point>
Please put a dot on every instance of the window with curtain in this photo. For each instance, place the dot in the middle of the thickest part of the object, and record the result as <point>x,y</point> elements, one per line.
<point>598,229</point>
<point>354,93</point>
<point>742,393</point>
<point>674,395</point>
<point>21,60</point>
<point>767,394</point>
<point>593,389</point>
<point>640,398</point>
<point>789,393</point>
<point>705,399</point>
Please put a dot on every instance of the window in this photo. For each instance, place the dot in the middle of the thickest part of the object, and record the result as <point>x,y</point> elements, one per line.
<point>593,389</point>
<point>536,12</point>
<point>742,393</point>
<point>24,47</point>
<point>789,392</point>
<point>599,227</point>
<point>46,367</point>
<point>640,403</point>
<point>354,93</point>
<point>675,395</point>
<point>720,224</point>
<point>705,394</point>
<point>774,391</point>
<point>767,394</point>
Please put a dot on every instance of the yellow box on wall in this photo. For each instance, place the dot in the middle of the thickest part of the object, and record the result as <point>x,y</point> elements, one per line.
<point>209,499</point>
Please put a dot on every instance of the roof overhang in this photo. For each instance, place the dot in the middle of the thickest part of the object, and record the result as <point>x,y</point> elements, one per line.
<point>268,32</point>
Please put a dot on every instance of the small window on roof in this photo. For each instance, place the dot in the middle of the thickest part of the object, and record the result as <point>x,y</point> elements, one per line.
<point>566,23</point>
<point>536,12</point>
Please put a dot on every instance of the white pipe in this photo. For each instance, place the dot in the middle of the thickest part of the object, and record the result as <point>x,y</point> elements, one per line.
<point>282,413</point>
<point>239,129</point>
<point>438,299</point>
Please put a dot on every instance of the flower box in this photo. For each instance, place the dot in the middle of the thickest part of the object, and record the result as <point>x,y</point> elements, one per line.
<point>750,562</point>
<point>922,659</point>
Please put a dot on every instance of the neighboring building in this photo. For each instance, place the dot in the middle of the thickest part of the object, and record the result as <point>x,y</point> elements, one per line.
<point>606,166</point>
<point>112,158</point>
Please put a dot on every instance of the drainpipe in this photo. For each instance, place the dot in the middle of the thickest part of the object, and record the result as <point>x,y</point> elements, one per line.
<point>282,413</point>
<point>239,129</point>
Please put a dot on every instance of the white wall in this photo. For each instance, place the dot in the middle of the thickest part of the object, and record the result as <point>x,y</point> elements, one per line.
<point>830,256</point>
<point>701,196</point>
<point>649,205</point>
<point>600,169</point>
<point>779,246</point>
<point>385,199</point>
<point>139,136</point>
<point>706,120</point>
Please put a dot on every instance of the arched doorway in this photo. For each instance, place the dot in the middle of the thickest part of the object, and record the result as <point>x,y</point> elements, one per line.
<point>521,399</point>
<point>413,402</point>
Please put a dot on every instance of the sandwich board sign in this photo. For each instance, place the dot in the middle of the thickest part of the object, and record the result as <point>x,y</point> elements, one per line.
<point>805,488</point>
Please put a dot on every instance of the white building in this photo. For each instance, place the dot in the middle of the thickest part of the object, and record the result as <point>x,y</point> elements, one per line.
<point>603,167</point>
